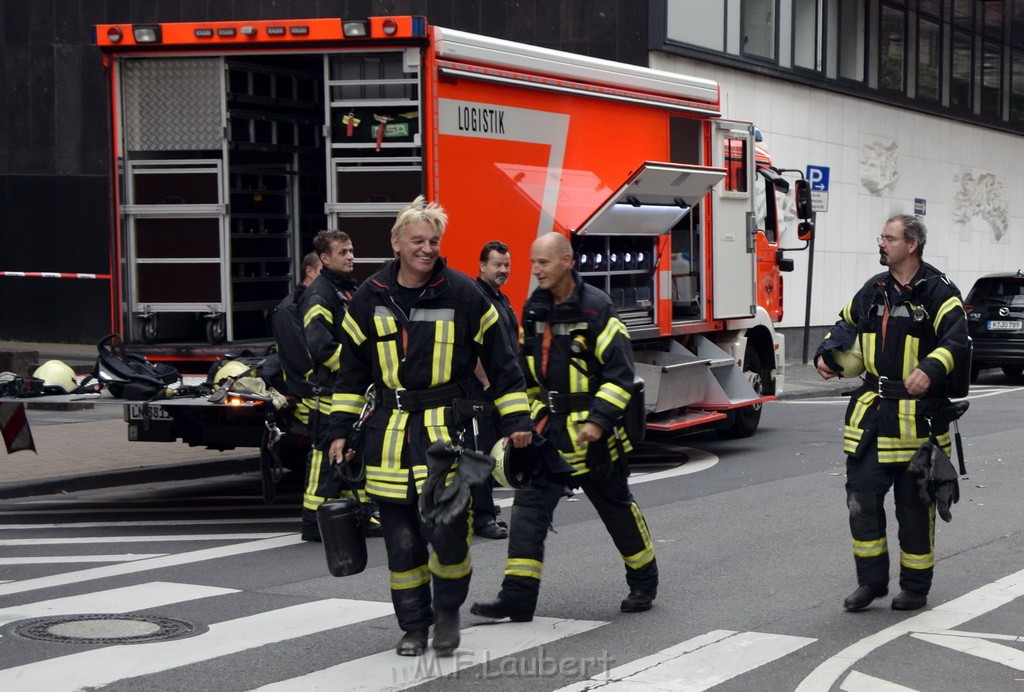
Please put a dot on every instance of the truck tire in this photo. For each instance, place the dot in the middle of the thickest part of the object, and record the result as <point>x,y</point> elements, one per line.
<point>1013,370</point>
<point>746,420</point>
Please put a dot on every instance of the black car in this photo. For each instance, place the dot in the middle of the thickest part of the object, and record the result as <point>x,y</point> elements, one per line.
<point>995,318</point>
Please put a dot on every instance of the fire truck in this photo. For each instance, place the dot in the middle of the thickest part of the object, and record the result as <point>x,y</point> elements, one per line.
<point>234,142</point>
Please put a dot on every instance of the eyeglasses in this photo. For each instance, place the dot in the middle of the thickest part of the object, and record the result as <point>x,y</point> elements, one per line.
<point>888,239</point>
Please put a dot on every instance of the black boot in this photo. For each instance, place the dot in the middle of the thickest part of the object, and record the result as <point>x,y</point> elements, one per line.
<point>501,608</point>
<point>639,600</point>
<point>412,643</point>
<point>909,600</point>
<point>862,597</point>
<point>371,519</point>
<point>310,527</point>
<point>446,632</point>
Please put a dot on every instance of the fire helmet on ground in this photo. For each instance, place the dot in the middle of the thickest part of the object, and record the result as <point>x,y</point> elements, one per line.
<point>57,377</point>
<point>513,467</point>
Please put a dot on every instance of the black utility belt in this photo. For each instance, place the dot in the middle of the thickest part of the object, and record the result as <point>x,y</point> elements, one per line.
<point>415,400</point>
<point>568,403</point>
<point>894,389</point>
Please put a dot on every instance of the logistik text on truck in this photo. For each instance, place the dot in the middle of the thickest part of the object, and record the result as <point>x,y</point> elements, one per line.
<point>234,142</point>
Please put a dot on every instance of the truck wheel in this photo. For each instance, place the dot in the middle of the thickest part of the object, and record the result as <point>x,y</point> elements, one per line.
<point>1013,370</point>
<point>215,330</point>
<point>747,419</point>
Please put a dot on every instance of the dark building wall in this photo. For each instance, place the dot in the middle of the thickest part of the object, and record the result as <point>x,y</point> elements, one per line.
<point>55,186</point>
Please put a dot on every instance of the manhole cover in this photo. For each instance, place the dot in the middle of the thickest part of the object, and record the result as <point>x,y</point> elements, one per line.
<point>105,629</point>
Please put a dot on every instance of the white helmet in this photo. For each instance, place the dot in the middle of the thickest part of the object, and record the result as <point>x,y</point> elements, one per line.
<point>851,360</point>
<point>57,377</point>
<point>513,467</point>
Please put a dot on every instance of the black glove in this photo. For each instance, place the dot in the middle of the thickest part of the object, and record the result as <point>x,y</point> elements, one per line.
<point>599,457</point>
<point>440,457</point>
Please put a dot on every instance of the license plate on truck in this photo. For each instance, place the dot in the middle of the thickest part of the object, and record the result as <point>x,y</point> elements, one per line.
<point>155,413</point>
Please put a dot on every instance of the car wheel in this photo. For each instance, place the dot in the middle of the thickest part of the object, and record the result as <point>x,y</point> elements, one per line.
<point>1013,370</point>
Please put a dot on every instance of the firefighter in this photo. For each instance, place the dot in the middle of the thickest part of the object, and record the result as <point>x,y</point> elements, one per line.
<point>291,346</point>
<point>323,307</point>
<point>912,330</point>
<point>495,265</point>
<point>578,362</point>
<point>416,330</point>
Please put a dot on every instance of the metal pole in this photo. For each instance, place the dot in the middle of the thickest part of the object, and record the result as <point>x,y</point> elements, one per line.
<point>810,277</point>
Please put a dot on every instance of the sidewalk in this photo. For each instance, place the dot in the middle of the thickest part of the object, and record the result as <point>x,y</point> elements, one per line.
<point>89,448</point>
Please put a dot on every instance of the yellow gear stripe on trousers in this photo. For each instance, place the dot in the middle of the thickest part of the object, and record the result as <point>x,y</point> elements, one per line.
<point>870,548</point>
<point>317,311</point>
<point>316,460</point>
<point>604,339</point>
<point>645,556</point>
<point>434,422</point>
<point>926,561</point>
<point>394,440</point>
<point>351,328</point>
<point>487,320</point>
<point>462,569</point>
<point>444,349</point>
<point>314,501</point>
<point>513,402</point>
<point>524,567</point>
<point>417,576</point>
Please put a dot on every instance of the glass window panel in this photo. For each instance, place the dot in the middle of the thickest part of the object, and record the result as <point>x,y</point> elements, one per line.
<point>960,77</point>
<point>992,19</point>
<point>697,22</point>
<point>892,47</point>
<point>1016,19</point>
<point>759,28</point>
<point>991,79</point>
<point>963,13</point>
<point>851,40</point>
<point>1017,86</point>
<point>929,58</point>
<point>933,7</point>
<point>806,23</point>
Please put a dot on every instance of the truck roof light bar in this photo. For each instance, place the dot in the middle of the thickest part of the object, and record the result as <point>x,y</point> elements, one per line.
<point>146,33</point>
<point>355,28</point>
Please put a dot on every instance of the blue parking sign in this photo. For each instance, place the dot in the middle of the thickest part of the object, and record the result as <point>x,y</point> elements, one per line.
<point>817,176</point>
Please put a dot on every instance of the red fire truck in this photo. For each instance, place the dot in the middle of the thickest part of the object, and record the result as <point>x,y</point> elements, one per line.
<point>234,142</point>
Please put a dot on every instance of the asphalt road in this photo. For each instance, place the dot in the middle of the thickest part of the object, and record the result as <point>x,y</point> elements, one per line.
<point>751,540</point>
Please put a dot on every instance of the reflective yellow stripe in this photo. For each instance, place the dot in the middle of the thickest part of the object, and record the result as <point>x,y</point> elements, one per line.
<point>444,348</point>
<point>523,567</point>
<point>462,569</point>
<point>614,395</point>
<point>604,339</point>
<point>317,311</point>
<point>417,576</point>
<point>348,323</point>
<point>394,440</point>
<point>952,303</point>
<point>910,359</point>
<point>434,422</point>
<point>926,561</point>
<point>870,548</point>
<point>333,361</point>
<point>906,414</point>
<point>487,320</point>
<point>944,356</point>
<point>867,347</point>
<point>513,402</point>
<point>347,403</point>
<point>646,555</point>
<point>847,314</point>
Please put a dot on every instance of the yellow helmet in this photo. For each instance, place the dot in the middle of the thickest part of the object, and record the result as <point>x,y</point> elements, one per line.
<point>851,360</point>
<point>513,467</point>
<point>232,369</point>
<point>57,377</point>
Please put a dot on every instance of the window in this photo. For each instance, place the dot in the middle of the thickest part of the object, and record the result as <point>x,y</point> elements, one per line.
<point>960,77</point>
<point>892,49</point>
<point>929,58</point>
<point>759,28</point>
<point>963,13</point>
<point>697,23</point>
<point>991,79</point>
<point>851,40</point>
<point>932,7</point>
<point>1017,87</point>
<point>1016,19</point>
<point>736,165</point>
<point>807,22</point>
<point>992,19</point>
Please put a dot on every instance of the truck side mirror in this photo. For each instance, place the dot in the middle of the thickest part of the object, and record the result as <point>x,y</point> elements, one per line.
<point>802,195</point>
<point>805,230</point>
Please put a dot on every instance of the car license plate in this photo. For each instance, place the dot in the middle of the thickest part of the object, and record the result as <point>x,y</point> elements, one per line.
<point>1004,324</point>
<point>155,413</point>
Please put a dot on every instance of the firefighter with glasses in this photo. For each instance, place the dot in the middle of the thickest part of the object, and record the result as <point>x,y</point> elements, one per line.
<point>578,361</point>
<point>415,330</point>
<point>911,328</point>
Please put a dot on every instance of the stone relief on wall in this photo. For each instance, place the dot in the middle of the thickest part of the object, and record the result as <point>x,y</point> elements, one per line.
<point>980,195</point>
<point>878,160</point>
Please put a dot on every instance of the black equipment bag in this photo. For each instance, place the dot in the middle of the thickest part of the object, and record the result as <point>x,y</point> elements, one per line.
<point>129,375</point>
<point>341,529</point>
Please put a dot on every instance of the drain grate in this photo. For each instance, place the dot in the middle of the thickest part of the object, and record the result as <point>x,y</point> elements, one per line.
<point>105,629</point>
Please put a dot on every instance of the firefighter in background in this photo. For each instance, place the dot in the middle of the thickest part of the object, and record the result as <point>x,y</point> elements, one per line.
<point>323,308</point>
<point>495,265</point>
<point>290,338</point>
<point>416,330</point>
<point>912,329</point>
<point>578,362</point>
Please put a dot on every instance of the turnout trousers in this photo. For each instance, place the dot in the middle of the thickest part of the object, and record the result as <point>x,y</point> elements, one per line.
<point>867,483</point>
<point>413,566</point>
<point>532,512</point>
